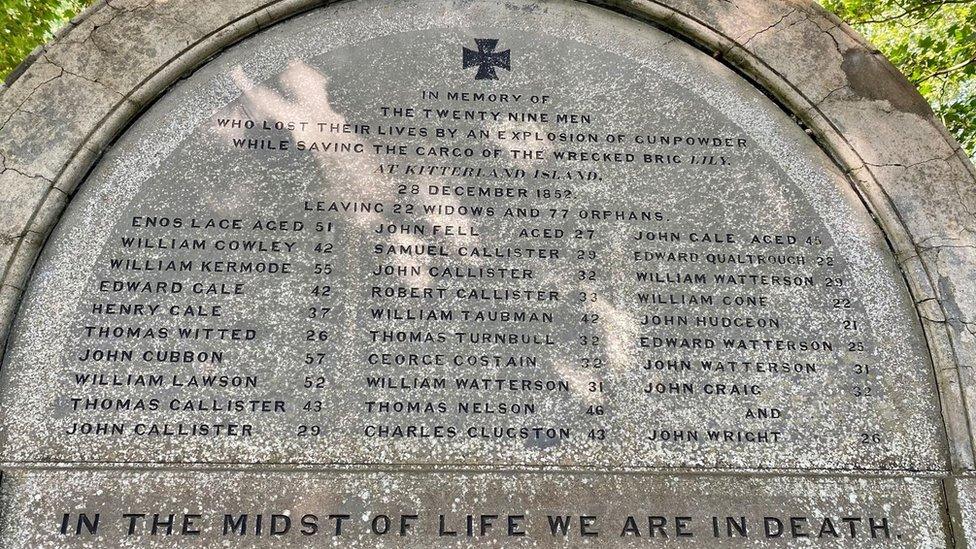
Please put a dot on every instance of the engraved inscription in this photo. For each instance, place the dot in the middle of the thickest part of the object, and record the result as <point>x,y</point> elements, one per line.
<point>365,255</point>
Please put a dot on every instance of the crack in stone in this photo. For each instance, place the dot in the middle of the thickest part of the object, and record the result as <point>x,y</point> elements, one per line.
<point>970,326</point>
<point>94,27</point>
<point>83,77</point>
<point>96,31</point>
<point>941,300</point>
<point>27,175</point>
<point>941,247</point>
<point>912,165</point>
<point>20,106</point>
<point>119,11</point>
<point>815,19</point>
<point>185,24</point>
<point>744,43</point>
<point>830,93</point>
<point>148,4</point>
<point>921,243</point>
<point>4,168</point>
<point>962,202</point>
<point>828,32</point>
<point>93,35</point>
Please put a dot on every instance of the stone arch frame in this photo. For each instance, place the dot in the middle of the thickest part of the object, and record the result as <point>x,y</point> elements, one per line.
<point>67,103</point>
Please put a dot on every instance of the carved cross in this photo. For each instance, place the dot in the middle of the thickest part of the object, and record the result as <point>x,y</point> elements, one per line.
<point>486,59</point>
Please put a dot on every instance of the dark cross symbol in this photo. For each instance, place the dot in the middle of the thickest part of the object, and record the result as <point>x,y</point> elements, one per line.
<point>486,59</point>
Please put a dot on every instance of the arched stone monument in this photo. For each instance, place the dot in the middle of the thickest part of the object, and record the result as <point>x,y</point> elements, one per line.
<point>458,273</point>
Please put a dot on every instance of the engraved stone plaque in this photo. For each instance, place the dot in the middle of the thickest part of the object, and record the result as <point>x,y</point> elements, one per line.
<point>194,509</point>
<point>442,236</point>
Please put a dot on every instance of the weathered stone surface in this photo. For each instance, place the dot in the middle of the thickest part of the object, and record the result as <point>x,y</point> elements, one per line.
<point>743,186</point>
<point>928,212</point>
<point>904,513</point>
<point>38,148</point>
<point>22,196</point>
<point>113,59</point>
<point>7,247</point>
<point>24,87</point>
<point>797,42</point>
<point>9,299</point>
<point>965,519</point>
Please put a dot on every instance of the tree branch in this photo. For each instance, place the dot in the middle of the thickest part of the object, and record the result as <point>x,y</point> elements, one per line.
<point>949,70</point>
<point>906,11</point>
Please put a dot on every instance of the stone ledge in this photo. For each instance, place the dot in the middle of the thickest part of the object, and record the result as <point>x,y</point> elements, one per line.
<point>910,507</point>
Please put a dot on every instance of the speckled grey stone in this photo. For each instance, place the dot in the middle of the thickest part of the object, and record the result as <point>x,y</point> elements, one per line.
<point>22,195</point>
<point>965,491</point>
<point>36,149</point>
<point>179,162</point>
<point>60,112</point>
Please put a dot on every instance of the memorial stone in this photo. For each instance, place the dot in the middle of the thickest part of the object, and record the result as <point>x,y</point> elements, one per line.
<point>450,274</point>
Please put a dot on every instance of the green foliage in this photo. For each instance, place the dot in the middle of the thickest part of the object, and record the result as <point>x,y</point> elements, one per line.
<point>25,24</point>
<point>934,43</point>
